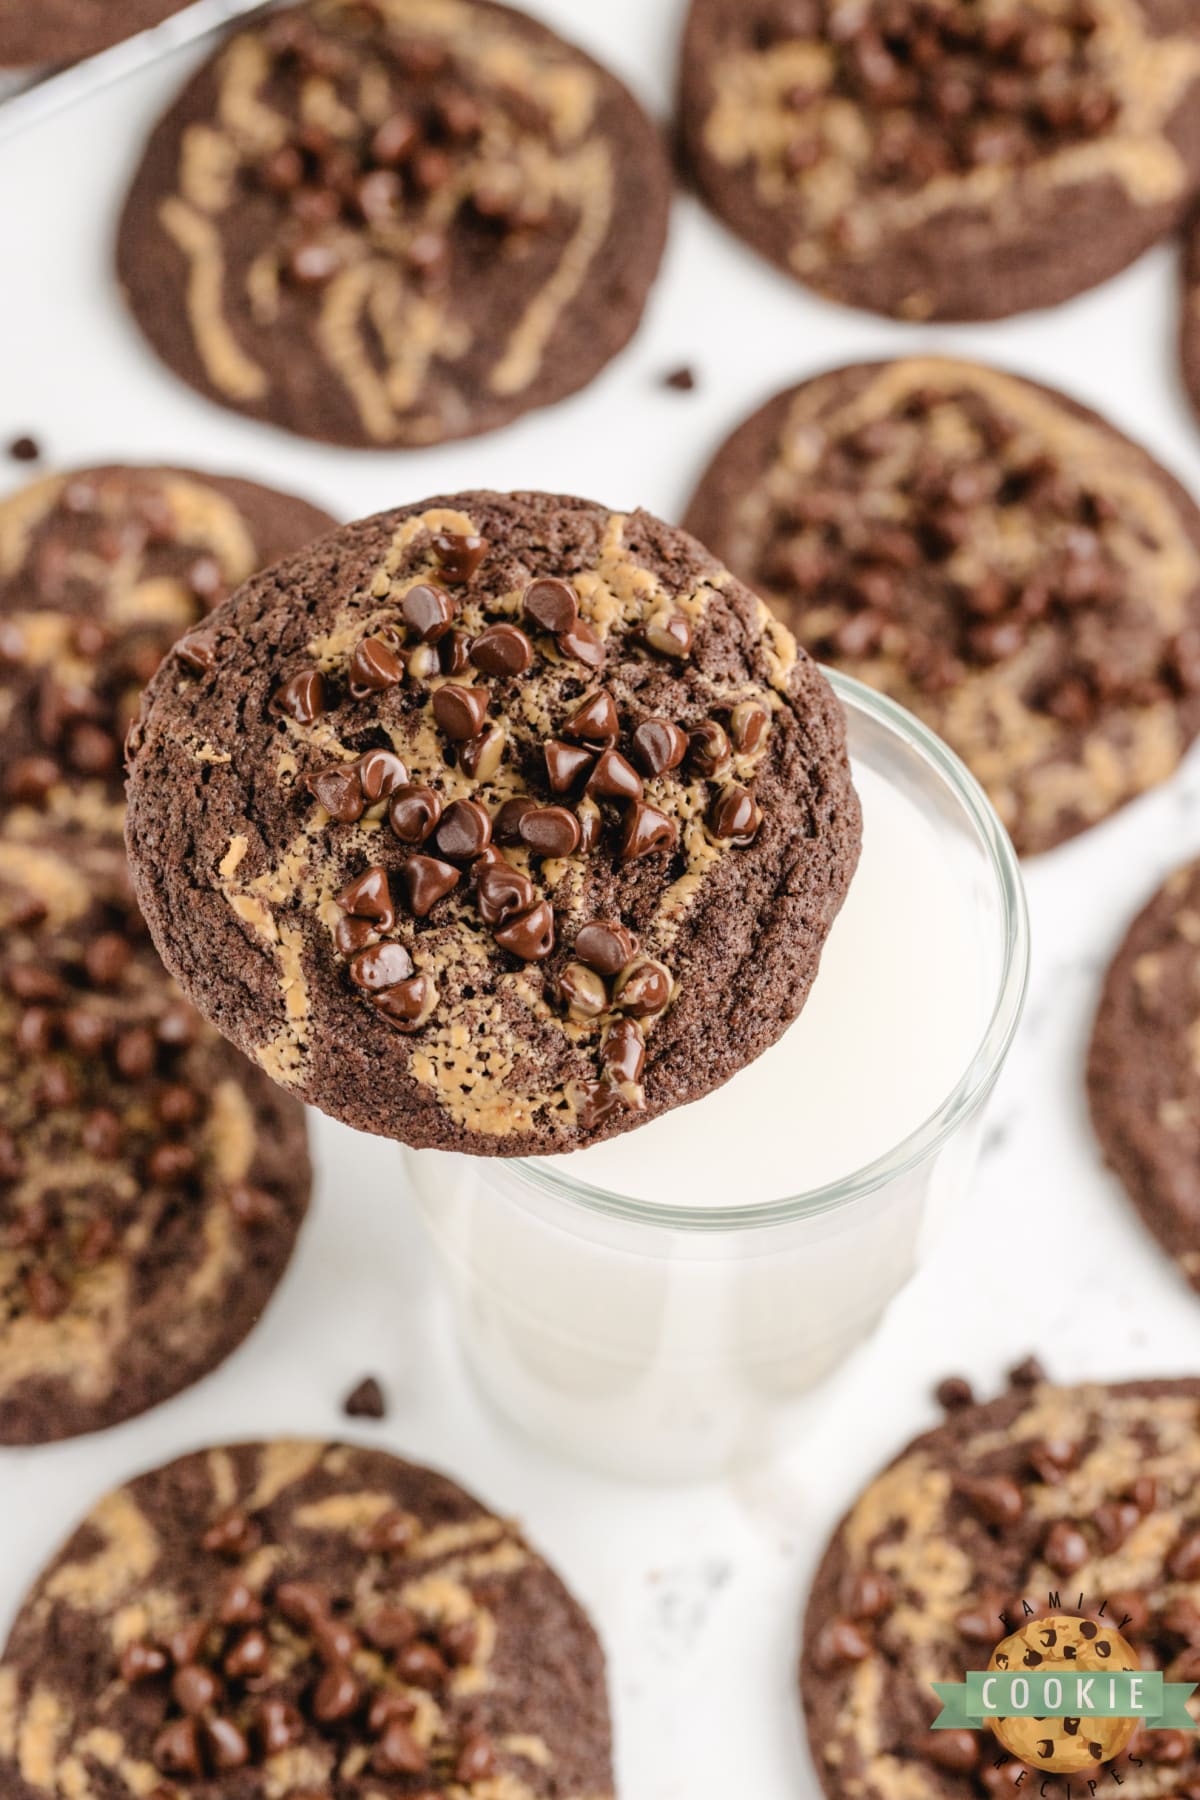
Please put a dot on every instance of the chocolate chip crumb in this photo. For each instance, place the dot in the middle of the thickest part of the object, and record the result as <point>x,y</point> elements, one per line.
<point>954,1392</point>
<point>366,1401</point>
<point>25,450</point>
<point>1027,1374</point>
<point>682,380</point>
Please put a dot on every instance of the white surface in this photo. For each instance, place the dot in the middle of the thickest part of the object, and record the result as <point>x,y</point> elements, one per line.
<point>697,1592</point>
<point>899,1008</point>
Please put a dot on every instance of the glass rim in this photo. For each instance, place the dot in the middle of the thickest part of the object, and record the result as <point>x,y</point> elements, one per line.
<point>965,1097</point>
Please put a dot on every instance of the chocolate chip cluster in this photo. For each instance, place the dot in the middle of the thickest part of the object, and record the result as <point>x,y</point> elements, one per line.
<point>947,87</point>
<point>401,186</point>
<point>584,791</point>
<point>93,1060</point>
<point>867,559</point>
<point>102,530</point>
<point>275,1666</point>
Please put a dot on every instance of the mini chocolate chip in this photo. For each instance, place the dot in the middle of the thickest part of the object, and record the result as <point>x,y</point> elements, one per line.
<point>314,261</point>
<point>645,830</point>
<point>552,605</point>
<point>365,1400</point>
<point>421,1665</point>
<point>337,1695</point>
<point>101,1133</point>
<point>995,1498</point>
<point>368,896</point>
<point>136,1052</point>
<point>623,1052</point>
<point>176,1749</point>
<point>248,1657</point>
<point>177,1104</point>
<point>659,745</point>
<point>708,749</point>
<point>195,1688</point>
<point>1065,1549</point>
<point>390,1628</point>
<point>206,581</point>
<point>58,1086</point>
<point>565,763</point>
<point>302,1602</point>
<point>46,1294</point>
<point>427,880</point>
<point>381,966</point>
<point>428,611</point>
<point>198,650</point>
<point>339,791</point>
<point>502,892</point>
<point>413,813</point>
<point>581,644</point>
<point>506,826</point>
<point>91,750</point>
<point>550,831</point>
<point>1051,1457</point>
<point>955,1751</point>
<point>374,667</point>
<point>239,1604</point>
<point>460,711</point>
<point>582,992</point>
<point>502,650</point>
<point>303,697</point>
<point>169,1164</point>
<point>614,778</point>
<point>866,1594</point>
<point>407,1006</point>
<point>476,1759</point>
<point>226,1744</point>
<point>1114,1520</point>
<point>530,935</point>
<point>234,1534</point>
<point>605,945</point>
<point>142,1660</point>
<point>595,722</point>
<point>277,1726</point>
<point>394,142</point>
<point>1184,1561</point>
<point>465,830</point>
<point>459,554</point>
<point>735,815</point>
<point>1145,1493</point>
<point>380,773</point>
<point>107,958</point>
<point>398,1752</point>
<point>668,634</point>
<point>954,1393</point>
<point>643,987</point>
<point>178,1025</point>
<point>31,778</point>
<point>24,449</point>
<point>251,1206</point>
<point>459,1639</point>
<point>480,757</point>
<point>840,1643</point>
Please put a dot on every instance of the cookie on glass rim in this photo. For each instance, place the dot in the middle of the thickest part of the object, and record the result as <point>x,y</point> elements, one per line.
<point>998,559</point>
<point>498,823</point>
<point>935,160</point>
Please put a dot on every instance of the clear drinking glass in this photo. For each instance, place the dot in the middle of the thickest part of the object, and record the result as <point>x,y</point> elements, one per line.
<point>669,1342</point>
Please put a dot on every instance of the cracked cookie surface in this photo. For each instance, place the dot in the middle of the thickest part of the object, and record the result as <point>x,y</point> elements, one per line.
<point>945,159</point>
<point>964,1540</point>
<point>297,1618</point>
<point>499,823</point>
<point>394,223</point>
<point>152,1182</point>
<point>996,558</point>
<point>101,570</point>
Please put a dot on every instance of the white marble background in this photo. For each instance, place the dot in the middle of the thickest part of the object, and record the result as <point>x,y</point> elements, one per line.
<point>696,1591</point>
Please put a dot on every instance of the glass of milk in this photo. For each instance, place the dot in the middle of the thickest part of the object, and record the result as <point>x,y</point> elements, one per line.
<point>657,1305</point>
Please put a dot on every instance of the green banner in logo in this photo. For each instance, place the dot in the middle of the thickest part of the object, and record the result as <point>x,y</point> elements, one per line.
<point>1065,1693</point>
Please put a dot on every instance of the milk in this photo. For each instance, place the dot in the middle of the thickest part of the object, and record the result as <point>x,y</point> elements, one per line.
<point>894,1017</point>
<point>659,1305</point>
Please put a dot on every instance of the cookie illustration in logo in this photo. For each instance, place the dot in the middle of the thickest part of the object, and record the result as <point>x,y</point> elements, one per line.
<point>1060,1643</point>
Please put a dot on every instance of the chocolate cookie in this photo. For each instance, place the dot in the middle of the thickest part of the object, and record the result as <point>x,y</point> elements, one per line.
<point>1007,1512</point>
<point>299,1618</point>
<point>499,823</point>
<point>1190,319</point>
<point>1142,1075</point>
<point>998,559</point>
<point>937,160</point>
<point>151,1182</point>
<point>100,572</point>
<point>57,31</point>
<point>384,225</point>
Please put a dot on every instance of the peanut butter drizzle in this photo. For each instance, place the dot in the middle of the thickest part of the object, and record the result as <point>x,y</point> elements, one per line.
<point>376,332</point>
<point>750,122</point>
<point>1015,751</point>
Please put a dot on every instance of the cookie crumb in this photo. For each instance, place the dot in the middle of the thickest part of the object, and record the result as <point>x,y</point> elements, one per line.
<point>1027,1374</point>
<point>682,380</point>
<point>25,449</point>
<point>953,1393</point>
<point>366,1401</point>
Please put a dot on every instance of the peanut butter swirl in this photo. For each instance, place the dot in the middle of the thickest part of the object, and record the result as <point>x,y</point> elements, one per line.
<point>395,222</point>
<point>527,771</point>
<point>296,1618</point>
